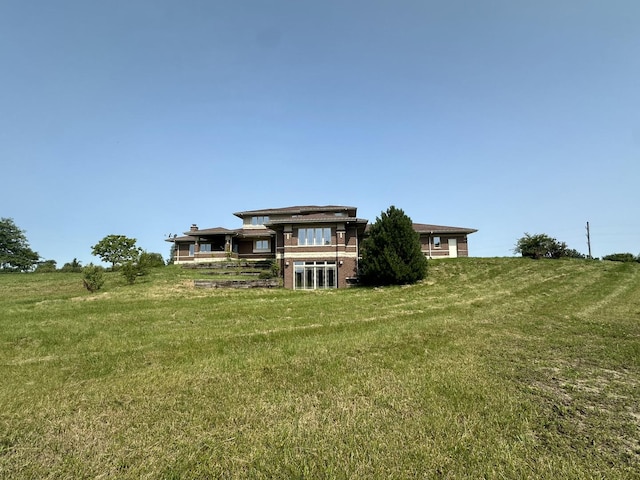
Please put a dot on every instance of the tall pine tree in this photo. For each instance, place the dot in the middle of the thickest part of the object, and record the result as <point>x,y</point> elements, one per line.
<point>391,253</point>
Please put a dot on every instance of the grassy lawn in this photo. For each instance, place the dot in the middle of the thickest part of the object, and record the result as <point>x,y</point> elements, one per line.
<point>490,368</point>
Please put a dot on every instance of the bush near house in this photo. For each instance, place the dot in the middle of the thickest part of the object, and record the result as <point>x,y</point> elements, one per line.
<point>151,260</point>
<point>391,253</point>
<point>140,266</point>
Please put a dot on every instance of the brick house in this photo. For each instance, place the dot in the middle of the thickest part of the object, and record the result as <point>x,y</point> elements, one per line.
<point>314,246</point>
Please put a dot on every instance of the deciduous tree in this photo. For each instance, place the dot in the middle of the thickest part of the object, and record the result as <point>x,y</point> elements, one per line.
<point>116,250</point>
<point>15,253</point>
<point>542,246</point>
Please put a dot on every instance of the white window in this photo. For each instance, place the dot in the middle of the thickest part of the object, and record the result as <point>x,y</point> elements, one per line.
<point>314,236</point>
<point>262,245</point>
<point>436,242</point>
<point>259,220</point>
<point>314,275</point>
<point>205,247</point>
<point>192,250</point>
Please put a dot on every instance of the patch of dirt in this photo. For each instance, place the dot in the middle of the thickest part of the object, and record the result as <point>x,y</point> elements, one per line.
<point>599,405</point>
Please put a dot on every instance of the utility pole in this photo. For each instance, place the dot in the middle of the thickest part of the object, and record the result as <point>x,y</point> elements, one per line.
<point>588,241</point>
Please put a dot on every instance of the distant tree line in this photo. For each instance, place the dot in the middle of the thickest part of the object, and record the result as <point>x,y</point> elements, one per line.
<point>17,256</point>
<point>543,246</point>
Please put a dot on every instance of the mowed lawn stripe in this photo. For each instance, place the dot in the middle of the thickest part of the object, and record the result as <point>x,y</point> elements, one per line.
<point>495,368</point>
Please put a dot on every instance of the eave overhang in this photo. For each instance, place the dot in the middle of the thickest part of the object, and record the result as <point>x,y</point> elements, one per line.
<point>441,229</point>
<point>297,210</point>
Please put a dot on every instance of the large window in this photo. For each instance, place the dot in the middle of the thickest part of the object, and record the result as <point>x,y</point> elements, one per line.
<point>205,247</point>
<point>314,236</point>
<point>259,220</point>
<point>314,275</point>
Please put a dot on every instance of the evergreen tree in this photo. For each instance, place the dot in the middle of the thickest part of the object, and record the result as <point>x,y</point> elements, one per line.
<point>15,254</point>
<point>391,253</point>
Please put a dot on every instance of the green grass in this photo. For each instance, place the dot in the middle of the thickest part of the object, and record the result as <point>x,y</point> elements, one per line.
<point>490,368</point>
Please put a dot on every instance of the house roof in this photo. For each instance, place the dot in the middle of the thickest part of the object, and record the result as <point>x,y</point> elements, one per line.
<point>296,210</point>
<point>186,238</point>
<point>316,219</point>
<point>254,232</point>
<point>237,232</point>
<point>428,228</point>
<point>210,231</point>
<point>306,214</point>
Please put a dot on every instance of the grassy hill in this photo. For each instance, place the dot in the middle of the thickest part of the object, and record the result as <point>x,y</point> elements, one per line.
<point>491,368</point>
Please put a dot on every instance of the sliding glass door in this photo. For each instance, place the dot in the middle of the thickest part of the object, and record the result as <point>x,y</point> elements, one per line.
<point>314,275</point>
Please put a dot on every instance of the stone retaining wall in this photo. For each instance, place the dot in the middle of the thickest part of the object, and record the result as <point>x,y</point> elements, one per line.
<point>271,283</point>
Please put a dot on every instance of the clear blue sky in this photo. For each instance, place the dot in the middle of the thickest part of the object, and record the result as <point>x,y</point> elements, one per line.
<point>141,117</point>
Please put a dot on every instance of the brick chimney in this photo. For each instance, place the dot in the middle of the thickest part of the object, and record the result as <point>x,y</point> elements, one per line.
<point>194,227</point>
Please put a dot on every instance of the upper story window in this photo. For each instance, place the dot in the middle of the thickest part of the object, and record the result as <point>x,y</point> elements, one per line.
<point>436,242</point>
<point>314,236</point>
<point>262,245</point>
<point>259,220</point>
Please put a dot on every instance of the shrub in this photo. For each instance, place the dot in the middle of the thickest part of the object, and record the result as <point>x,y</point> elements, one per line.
<point>620,257</point>
<point>46,266</point>
<point>150,260</point>
<point>265,275</point>
<point>573,253</point>
<point>74,266</point>
<point>130,271</point>
<point>93,277</point>
<point>272,272</point>
<point>140,266</point>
